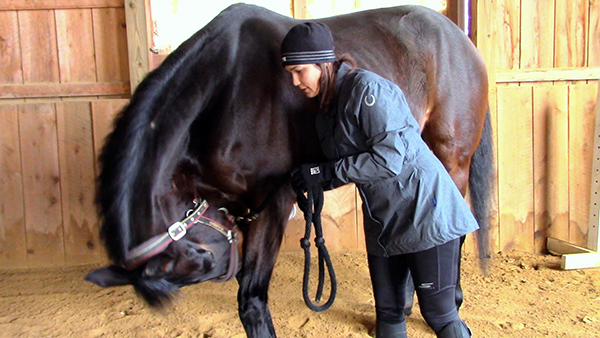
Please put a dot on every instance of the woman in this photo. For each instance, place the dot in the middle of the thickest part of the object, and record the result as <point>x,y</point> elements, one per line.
<point>414,215</point>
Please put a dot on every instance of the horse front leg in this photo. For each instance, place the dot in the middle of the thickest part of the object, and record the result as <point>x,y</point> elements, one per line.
<point>262,243</point>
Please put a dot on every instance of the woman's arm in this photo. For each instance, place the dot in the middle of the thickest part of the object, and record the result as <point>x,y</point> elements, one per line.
<point>380,112</point>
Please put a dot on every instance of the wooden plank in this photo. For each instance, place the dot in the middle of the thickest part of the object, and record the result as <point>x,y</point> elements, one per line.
<point>537,34</point>
<point>294,232</point>
<point>41,185</point>
<point>571,33</point>
<point>136,14</point>
<point>339,219</point>
<point>582,100</point>
<point>13,246</point>
<point>75,46</point>
<point>558,247</point>
<point>509,30</point>
<point>515,168</point>
<point>360,224</point>
<point>299,9</point>
<point>110,41</point>
<point>7,5</point>
<point>580,261</point>
<point>39,53</point>
<point>38,90</point>
<point>593,47</point>
<point>551,158</point>
<point>546,75</point>
<point>594,215</point>
<point>10,53</point>
<point>77,184</point>
<point>573,256</point>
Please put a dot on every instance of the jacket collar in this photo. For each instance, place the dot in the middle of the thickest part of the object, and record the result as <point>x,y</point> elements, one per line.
<point>342,72</point>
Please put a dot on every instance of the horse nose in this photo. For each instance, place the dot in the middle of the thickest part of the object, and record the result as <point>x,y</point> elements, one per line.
<point>199,252</point>
<point>203,258</point>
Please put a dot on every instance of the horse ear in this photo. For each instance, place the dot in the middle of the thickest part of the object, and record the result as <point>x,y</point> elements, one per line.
<point>109,276</point>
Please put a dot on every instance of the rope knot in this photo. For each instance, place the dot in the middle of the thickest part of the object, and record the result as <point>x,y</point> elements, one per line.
<point>320,241</point>
<point>304,243</point>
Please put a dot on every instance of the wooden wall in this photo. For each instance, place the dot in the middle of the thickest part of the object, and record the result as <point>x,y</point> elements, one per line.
<point>63,75</point>
<point>544,63</point>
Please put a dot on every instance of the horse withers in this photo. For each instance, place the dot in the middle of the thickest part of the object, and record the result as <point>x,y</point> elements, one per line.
<point>219,121</point>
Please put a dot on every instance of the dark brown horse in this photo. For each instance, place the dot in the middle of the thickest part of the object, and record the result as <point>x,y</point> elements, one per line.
<point>219,122</point>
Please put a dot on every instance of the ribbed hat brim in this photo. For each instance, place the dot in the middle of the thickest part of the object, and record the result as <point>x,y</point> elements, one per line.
<point>295,58</point>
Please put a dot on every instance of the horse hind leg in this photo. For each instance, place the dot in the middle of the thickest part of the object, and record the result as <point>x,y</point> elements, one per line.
<point>453,134</point>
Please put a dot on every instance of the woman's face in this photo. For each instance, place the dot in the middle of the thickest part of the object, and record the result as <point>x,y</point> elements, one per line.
<point>306,77</point>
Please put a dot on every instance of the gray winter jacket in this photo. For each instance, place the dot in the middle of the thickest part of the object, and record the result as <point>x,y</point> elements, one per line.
<point>410,202</point>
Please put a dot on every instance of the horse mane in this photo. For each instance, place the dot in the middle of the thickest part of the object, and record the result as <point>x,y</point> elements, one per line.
<point>143,149</point>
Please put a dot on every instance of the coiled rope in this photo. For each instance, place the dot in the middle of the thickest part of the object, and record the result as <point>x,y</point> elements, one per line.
<point>312,205</point>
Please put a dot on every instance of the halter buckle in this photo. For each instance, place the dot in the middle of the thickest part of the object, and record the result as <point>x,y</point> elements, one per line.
<point>230,236</point>
<point>177,230</point>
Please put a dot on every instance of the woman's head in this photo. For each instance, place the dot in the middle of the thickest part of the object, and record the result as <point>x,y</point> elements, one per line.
<point>305,47</point>
<point>307,52</point>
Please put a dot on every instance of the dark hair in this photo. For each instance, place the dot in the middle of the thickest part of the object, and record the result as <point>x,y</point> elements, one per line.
<point>327,81</point>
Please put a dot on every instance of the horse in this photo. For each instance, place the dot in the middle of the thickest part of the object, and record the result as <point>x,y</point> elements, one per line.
<point>209,136</point>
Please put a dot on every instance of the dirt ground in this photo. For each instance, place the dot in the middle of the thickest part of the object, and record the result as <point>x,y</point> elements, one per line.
<point>524,296</point>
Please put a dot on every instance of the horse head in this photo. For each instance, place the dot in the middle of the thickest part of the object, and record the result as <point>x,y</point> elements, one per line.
<point>190,241</point>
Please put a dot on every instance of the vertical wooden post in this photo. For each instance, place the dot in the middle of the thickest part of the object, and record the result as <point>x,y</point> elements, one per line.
<point>136,16</point>
<point>593,238</point>
<point>299,7</point>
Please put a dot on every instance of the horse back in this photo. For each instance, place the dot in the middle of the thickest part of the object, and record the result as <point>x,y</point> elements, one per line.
<point>417,48</point>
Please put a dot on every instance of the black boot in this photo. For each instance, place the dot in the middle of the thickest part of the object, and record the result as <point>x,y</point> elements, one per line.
<point>385,330</point>
<point>455,330</point>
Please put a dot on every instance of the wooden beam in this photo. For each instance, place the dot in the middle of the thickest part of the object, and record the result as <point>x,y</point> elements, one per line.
<point>573,256</point>
<point>594,216</point>
<point>560,247</point>
<point>12,91</point>
<point>540,75</point>
<point>17,5</point>
<point>136,16</point>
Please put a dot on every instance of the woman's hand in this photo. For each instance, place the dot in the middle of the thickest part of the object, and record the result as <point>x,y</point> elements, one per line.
<point>309,174</point>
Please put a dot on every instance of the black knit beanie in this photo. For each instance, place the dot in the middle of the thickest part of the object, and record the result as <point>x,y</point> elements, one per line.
<point>309,42</point>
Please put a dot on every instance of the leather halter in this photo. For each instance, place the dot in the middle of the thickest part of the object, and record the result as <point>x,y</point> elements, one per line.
<point>178,230</point>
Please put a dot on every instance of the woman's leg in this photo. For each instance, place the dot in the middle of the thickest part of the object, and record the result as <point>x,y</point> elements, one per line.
<point>388,277</point>
<point>435,273</point>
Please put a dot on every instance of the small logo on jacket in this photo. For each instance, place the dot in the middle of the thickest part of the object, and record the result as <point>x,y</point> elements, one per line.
<point>370,100</point>
<point>426,286</point>
<point>315,171</point>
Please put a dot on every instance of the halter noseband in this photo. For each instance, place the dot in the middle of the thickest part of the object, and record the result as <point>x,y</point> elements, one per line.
<point>177,231</point>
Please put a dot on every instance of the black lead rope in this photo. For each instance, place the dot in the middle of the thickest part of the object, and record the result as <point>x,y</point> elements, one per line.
<point>312,206</point>
<point>253,214</point>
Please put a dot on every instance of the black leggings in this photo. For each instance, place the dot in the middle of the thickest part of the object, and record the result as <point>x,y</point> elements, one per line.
<point>435,274</point>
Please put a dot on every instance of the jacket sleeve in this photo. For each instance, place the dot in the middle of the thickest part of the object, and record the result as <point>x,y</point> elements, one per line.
<point>382,115</point>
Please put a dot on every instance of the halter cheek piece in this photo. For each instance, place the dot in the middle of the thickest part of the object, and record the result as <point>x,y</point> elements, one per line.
<point>178,230</point>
